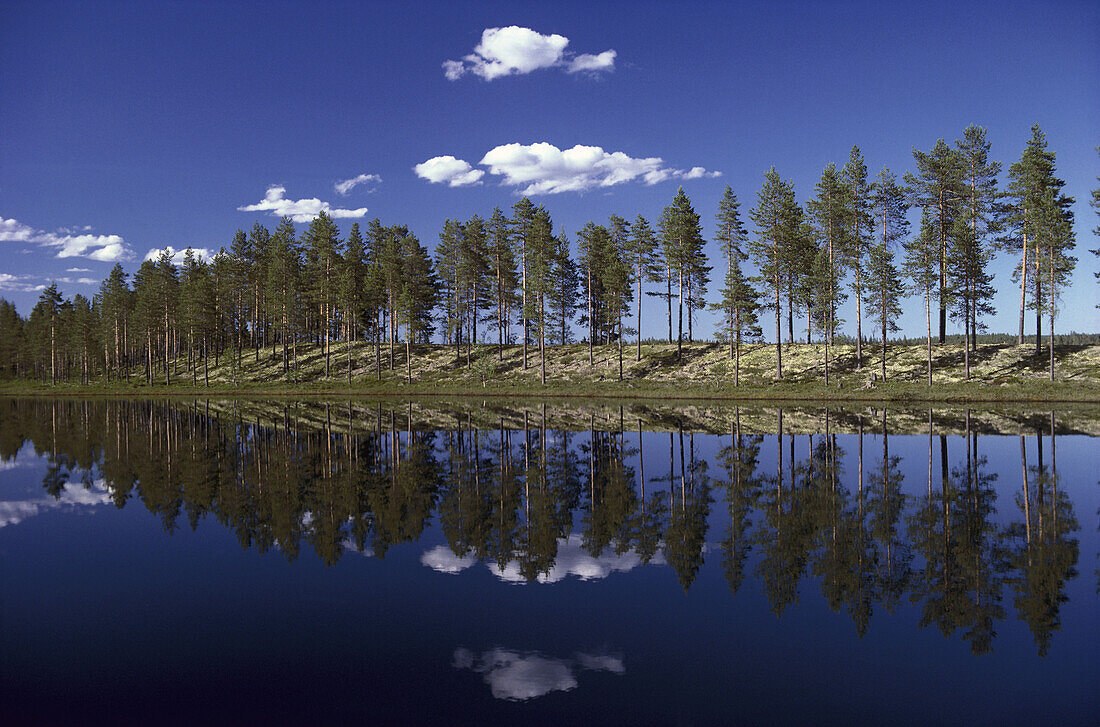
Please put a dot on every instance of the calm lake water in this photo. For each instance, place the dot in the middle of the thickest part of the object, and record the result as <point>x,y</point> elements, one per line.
<point>278,562</point>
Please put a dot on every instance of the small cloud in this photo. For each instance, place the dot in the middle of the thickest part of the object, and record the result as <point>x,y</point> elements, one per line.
<point>78,270</point>
<point>588,63</point>
<point>302,210</point>
<point>515,50</point>
<point>455,172</point>
<point>346,185</point>
<point>443,560</point>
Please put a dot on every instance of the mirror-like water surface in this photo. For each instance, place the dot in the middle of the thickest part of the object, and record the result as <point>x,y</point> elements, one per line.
<point>276,562</point>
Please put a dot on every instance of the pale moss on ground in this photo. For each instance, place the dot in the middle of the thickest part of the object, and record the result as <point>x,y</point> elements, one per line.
<point>701,364</point>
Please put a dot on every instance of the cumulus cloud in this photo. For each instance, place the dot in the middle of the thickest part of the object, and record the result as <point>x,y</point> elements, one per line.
<point>69,242</point>
<point>518,676</point>
<point>455,172</point>
<point>15,231</point>
<point>105,248</point>
<point>513,51</point>
<point>542,168</point>
<point>78,270</point>
<point>346,185</point>
<point>302,210</point>
<point>202,253</point>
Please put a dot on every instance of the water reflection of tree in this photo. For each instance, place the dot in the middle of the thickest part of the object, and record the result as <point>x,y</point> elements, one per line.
<point>333,477</point>
<point>1043,552</point>
<point>739,460</point>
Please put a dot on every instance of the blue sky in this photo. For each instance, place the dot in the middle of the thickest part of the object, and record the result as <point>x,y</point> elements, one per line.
<point>129,127</point>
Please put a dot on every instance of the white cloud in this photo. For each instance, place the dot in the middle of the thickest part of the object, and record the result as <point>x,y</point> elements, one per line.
<point>515,51</point>
<point>78,270</point>
<point>346,185</point>
<point>105,248</point>
<point>15,231</point>
<point>588,63</point>
<point>455,172</point>
<point>542,168</point>
<point>517,676</point>
<point>18,283</point>
<point>78,281</point>
<point>302,210</point>
<point>177,255</point>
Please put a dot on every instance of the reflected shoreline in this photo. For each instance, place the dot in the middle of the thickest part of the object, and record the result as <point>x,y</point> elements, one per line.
<point>604,491</point>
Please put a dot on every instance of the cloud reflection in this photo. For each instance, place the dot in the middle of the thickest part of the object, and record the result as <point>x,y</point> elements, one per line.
<point>13,512</point>
<point>571,560</point>
<point>518,676</point>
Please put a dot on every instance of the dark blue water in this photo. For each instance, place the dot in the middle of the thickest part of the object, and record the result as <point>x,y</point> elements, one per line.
<point>272,564</point>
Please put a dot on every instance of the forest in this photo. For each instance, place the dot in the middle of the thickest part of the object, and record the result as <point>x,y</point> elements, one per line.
<point>508,281</point>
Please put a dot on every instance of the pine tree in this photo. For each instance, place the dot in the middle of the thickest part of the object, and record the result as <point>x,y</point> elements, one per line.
<point>523,215</point>
<point>682,245</point>
<point>353,290</point>
<point>643,257</point>
<point>1056,239</point>
<point>860,233</point>
<point>1029,180</point>
<point>884,286</point>
<point>284,281</point>
<point>937,188</point>
<point>322,262</point>
<point>831,210</point>
<point>562,294</point>
<point>777,218</point>
<point>114,304</point>
<point>738,298</point>
<point>971,250</point>
<point>883,291</point>
<point>168,284</point>
<point>920,266</point>
<point>503,276</point>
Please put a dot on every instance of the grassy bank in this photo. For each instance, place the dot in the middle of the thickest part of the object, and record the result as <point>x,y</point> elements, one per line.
<point>999,373</point>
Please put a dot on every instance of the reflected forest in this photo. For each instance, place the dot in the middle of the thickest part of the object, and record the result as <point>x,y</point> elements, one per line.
<point>804,512</point>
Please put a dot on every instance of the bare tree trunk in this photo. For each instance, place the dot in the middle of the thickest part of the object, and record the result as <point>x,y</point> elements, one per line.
<point>1023,287</point>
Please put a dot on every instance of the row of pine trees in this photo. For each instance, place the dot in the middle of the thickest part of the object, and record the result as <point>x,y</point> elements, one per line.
<point>510,280</point>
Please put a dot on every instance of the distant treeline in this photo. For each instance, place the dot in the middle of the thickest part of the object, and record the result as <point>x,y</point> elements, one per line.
<point>510,280</point>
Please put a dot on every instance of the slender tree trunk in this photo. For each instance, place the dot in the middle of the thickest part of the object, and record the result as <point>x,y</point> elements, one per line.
<point>1023,287</point>
<point>1038,298</point>
<point>640,273</point>
<point>668,298</point>
<point>859,320</point>
<point>943,269</point>
<point>680,327</point>
<point>737,346</point>
<point>778,332</point>
<point>591,320</point>
<point>620,344</point>
<point>1053,301</point>
<point>928,326</point>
